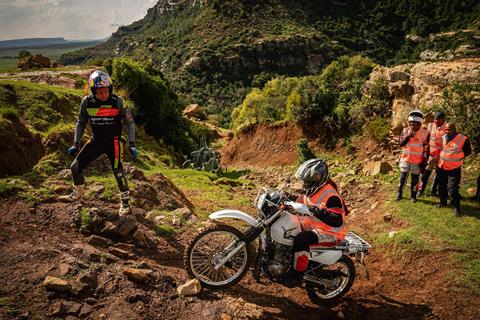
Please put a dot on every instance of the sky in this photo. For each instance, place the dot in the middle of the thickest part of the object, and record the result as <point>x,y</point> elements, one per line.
<point>70,19</point>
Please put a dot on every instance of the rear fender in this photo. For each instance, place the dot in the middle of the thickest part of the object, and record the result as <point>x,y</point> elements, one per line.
<point>234,214</point>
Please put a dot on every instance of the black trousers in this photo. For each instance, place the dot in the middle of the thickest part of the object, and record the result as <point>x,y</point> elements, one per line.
<point>413,185</point>
<point>449,183</point>
<point>91,151</point>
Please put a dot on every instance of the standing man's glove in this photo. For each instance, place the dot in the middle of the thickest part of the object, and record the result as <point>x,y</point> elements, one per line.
<point>133,152</point>
<point>72,150</point>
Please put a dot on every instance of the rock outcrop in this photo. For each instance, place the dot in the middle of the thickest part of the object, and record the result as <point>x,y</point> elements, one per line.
<point>20,148</point>
<point>421,85</point>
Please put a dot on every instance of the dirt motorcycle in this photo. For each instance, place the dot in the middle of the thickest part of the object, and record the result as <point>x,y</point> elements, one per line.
<point>221,255</point>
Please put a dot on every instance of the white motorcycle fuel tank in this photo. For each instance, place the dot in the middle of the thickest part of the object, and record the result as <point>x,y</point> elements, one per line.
<point>285,229</point>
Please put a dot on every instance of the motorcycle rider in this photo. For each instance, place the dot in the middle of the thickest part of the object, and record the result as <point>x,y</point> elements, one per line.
<point>105,112</point>
<point>324,225</point>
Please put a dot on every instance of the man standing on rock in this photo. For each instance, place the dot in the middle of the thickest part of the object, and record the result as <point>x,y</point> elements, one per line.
<point>437,130</point>
<point>454,148</point>
<point>415,151</point>
<point>105,112</point>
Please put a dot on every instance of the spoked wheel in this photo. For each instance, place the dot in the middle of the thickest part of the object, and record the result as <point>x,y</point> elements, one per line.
<point>211,246</point>
<point>334,282</point>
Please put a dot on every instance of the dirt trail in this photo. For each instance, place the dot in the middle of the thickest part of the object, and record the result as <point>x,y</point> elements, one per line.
<point>48,241</point>
<point>38,242</point>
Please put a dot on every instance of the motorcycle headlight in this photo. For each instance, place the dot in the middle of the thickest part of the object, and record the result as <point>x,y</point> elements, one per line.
<point>261,201</point>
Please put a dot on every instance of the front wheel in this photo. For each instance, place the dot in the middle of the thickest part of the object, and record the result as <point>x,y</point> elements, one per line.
<point>331,282</point>
<point>207,248</point>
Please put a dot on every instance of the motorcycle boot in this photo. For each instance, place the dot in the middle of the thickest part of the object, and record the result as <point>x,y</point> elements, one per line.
<point>76,194</point>
<point>124,203</point>
<point>293,279</point>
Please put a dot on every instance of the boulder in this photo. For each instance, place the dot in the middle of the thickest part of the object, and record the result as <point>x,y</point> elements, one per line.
<point>472,191</point>
<point>159,193</point>
<point>374,168</point>
<point>190,288</point>
<point>400,89</point>
<point>97,241</point>
<point>194,111</point>
<point>397,75</point>
<point>34,61</point>
<point>56,284</point>
<point>138,275</point>
<point>184,213</point>
<point>120,253</point>
<point>144,239</point>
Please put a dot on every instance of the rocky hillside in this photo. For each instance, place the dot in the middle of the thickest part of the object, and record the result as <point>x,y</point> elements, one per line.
<point>422,85</point>
<point>213,50</point>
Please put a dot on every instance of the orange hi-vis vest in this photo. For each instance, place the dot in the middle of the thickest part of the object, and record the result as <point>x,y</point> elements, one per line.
<point>435,138</point>
<point>413,150</point>
<point>451,156</point>
<point>320,199</point>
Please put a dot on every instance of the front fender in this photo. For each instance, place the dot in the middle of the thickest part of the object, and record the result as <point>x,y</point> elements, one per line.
<point>235,214</point>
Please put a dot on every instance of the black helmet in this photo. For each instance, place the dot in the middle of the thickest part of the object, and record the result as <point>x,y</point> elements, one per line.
<point>314,174</point>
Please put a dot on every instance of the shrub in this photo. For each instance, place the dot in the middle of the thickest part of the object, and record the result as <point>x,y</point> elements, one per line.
<point>23,54</point>
<point>156,106</point>
<point>461,103</point>
<point>378,129</point>
<point>304,151</point>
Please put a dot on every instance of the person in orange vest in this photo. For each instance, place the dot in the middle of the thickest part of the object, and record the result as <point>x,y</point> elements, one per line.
<point>324,220</point>
<point>454,148</point>
<point>415,151</point>
<point>437,130</point>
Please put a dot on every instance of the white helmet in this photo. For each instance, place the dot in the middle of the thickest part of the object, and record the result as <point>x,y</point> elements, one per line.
<point>99,79</point>
<point>415,116</point>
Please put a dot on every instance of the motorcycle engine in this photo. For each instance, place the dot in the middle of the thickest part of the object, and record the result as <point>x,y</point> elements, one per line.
<point>280,260</point>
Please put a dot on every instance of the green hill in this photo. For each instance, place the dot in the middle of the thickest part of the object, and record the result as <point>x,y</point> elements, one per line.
<point>215,51</point>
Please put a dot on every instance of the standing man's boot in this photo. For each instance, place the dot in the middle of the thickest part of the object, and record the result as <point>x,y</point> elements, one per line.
<point>434,190</point>
<point>401,185</point>
<point>413,188</point>
<point>76,194</point>
<point>424,180</point>
<point>124,203</point>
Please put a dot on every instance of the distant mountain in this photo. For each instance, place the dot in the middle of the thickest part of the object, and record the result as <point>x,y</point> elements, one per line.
<point>30,42</point>
<point>42,42</point>
<point>214,51</point>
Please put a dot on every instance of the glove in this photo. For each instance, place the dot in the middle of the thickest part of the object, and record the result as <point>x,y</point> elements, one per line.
<point>133,153</point>
<point>290,197</point>
<point>72,150</point>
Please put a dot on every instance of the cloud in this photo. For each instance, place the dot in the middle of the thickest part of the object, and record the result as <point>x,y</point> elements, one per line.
<point>71,19</point>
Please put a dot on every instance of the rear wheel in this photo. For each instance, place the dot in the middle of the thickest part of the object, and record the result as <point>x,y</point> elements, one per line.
<point>208,248</point>
<point>335,281</point>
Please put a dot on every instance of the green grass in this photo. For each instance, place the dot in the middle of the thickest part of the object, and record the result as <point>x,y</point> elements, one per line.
<point>85,217</point>
<point>438,230</point>
<point>10,186</point>
<point>206,193</point>
<point>40,106</point>
<point>165,230</point>
<point>8,64</point>
<point>107,180</point>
